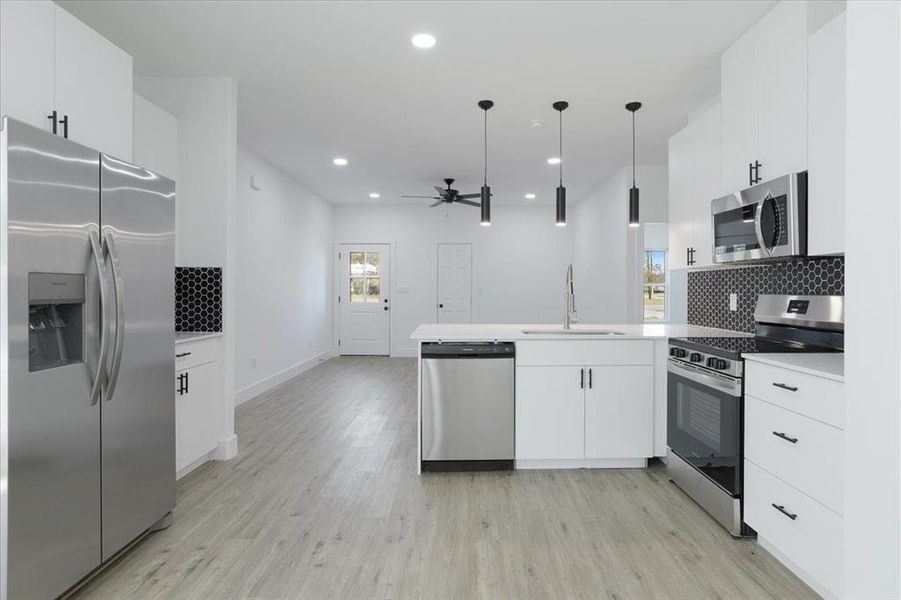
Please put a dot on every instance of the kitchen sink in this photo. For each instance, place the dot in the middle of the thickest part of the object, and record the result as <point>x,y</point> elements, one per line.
<point>572,331</point>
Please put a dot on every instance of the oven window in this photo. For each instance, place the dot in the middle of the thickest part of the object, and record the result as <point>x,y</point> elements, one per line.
<point>704,428</point>
<point>735,230</point>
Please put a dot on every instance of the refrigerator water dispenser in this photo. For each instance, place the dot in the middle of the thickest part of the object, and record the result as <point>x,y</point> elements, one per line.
<point>55,320</point>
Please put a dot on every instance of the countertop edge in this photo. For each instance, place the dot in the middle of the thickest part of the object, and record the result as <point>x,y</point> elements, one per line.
<point>195,336</point>
<point>779,360</point>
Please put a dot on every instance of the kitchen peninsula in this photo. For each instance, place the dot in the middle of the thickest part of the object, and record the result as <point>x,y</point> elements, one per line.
<point>592,396</point>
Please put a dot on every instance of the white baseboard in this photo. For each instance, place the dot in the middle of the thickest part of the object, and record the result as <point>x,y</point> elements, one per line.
<point>225,449</point>
<point>264,385</point>
<point>583,463</point>
<point>794,568</point>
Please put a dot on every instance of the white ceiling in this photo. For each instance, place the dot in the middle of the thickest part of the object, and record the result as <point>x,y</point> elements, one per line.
<point>322,79</point>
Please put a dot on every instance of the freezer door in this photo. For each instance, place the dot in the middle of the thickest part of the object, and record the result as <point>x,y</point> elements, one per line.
<point>53,427</point>
<point>137,209</point>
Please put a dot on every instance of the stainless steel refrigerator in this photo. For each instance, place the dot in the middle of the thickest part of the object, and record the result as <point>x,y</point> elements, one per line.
<point>87,412</point>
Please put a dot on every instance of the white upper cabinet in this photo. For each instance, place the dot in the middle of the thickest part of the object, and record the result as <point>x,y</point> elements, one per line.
<point>93,87</point>
<point>26,61</point>
<point>695,179</point>
<point>782,89</point>
<point>49,60</point>
<point>826,139</point>
<point>738,96</point>
<point>764,99</point>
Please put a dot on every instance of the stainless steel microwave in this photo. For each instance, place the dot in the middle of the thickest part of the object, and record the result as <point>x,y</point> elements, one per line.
<point>768,220</point>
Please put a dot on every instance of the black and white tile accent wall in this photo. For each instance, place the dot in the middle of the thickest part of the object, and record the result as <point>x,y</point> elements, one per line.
<point>198,299</point>
<point>708,291</point>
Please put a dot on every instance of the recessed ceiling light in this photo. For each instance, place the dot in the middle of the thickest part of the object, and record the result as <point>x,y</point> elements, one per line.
<point>423,40</point>
<point>340,161</point>
<point>530,196</point>
<point>536,123</point>
<point>374,195</point>
<point>554,160</point>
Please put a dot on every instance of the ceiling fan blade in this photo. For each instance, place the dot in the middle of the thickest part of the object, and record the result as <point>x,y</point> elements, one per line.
<point>439,203</point>
<point>469,196</point>
<point>468,202</point>
<point>430,197</point>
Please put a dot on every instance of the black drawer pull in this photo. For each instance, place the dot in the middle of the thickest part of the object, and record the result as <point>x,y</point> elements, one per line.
<point>779,434</point>
<point>182,355</point>
<point>781,508</point>
<point>785,386</point>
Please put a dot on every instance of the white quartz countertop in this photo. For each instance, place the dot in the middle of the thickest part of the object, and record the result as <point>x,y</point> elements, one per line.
<point>193,336</point>
<point>830,365</point>
<point>431,332</point>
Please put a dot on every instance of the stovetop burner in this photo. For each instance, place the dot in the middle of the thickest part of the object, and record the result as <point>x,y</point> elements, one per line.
<point>734,347</point>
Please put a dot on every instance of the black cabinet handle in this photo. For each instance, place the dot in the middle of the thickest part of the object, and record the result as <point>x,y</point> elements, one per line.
<point>186,382</point>
<point>582,378</point>
<point>53,120</point>
<point>757,177</point>
<point>182,355</point>
<point>750,173</point>
<point>779,434</point>
<point>781,508</point>
<point>65,122</point>
<point>689,256</point>
<point>785,387</point>
<point>590,379</point>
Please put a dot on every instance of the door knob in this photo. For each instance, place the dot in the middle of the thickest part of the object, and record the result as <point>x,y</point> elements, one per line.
<point>440,306</point>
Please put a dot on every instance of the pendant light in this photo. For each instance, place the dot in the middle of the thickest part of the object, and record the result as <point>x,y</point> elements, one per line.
<point>485,199</point>
<point>632,107</point>
<point>560,106</point>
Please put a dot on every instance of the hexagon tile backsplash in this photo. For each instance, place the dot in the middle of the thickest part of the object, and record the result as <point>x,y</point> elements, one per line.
<point>198,299</point>
<point>708,291</point>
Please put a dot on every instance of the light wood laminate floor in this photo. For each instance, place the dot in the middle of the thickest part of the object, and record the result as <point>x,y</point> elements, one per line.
<point>324,501</point>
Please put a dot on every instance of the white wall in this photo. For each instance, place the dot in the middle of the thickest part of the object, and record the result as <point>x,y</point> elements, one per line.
<point>206,109</point>
<point>284,274</point>
<point>873,313</point>
<point>155,138</point>
<point>519,262</point>
<point>606,251</point>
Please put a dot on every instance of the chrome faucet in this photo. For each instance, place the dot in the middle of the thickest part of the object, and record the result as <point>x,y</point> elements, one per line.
<point>570,315</point>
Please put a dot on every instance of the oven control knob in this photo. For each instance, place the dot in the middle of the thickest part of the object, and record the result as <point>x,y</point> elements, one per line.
<point>677,352</point>
<point>696,357</point>
<point>717,363</point>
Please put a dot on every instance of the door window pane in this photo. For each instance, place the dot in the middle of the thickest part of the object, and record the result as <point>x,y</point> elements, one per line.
<point>373,289</point>
<point>653,286</point>
<point>654,302</point>
<point>357,289</point>
<point>357,261</point>
<point>372,263</point>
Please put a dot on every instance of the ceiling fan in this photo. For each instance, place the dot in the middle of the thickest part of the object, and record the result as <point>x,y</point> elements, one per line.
<point>449,195</point>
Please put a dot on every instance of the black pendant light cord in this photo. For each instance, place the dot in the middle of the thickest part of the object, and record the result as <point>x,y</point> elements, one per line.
<point>486,147</point>
<point>561,147</point>
<point>633,148</point>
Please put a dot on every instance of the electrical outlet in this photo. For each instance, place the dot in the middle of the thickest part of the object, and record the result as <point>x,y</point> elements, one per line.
<point>733,302</point>
<point>253,363</point>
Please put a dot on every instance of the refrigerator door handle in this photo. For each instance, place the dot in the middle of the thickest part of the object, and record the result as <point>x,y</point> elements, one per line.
<point>113,251</point>
<point>97,253</point>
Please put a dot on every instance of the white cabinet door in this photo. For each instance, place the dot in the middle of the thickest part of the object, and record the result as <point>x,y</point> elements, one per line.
<point>195,414</point>
<point>826,139</point>
<point>93,87</point>
<point>782,89</point>
<point>550,418</point>
<point>619,412</point>
<point>26,61</point>
<point>738,96</point>
<point>707,181</point>
<point>680,176</point>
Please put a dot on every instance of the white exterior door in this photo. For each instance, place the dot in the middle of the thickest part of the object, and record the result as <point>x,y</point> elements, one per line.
<point>455,283</point>
<point>364,315</point>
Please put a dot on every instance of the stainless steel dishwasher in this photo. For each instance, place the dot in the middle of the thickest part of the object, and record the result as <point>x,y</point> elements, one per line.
<point>467,406</point>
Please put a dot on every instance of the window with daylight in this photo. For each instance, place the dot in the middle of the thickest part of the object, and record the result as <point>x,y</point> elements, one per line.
<point>654,285</point>
<point>365,277</point>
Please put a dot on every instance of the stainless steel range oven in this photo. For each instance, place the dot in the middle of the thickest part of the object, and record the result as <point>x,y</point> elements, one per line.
<point>767,220</point>
<point>705,403</point>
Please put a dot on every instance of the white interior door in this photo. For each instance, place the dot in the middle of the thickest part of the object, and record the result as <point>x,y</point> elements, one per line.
<point>364,315</point>
<point>455,283</point>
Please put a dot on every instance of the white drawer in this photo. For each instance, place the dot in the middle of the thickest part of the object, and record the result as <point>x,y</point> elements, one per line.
<point>812,541</point>
<point>584,352</point>
<point>813,463</point>
<point>816,397</point>
<point>192,354</point>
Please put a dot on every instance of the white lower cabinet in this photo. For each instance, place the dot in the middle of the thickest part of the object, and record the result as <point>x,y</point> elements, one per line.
<point>196,392</point>
<point>590,415</point>
<point>794,471</point>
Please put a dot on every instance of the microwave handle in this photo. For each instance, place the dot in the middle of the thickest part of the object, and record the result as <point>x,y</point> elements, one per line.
<point>758,227</point>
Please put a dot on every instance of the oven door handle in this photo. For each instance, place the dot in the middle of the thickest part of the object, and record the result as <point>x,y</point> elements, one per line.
<point>721,383</point>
